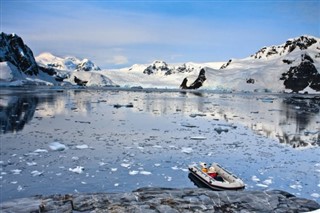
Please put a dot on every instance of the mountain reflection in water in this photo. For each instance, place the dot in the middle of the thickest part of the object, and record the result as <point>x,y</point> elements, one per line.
<point>293,120</point>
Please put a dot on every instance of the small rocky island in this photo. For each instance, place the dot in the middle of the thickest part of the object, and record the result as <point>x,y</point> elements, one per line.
<point>165,200</point>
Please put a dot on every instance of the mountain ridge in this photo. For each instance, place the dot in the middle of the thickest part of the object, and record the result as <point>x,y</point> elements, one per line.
<point>289,67</point>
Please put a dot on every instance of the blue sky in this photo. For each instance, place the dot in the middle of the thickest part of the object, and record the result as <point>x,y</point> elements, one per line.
<point>116,34</point>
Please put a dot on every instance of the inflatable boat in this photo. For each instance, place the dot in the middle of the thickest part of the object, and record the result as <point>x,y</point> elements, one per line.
<point>224,180</point>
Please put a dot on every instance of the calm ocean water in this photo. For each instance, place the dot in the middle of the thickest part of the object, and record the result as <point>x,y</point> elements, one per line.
<point>69,141</point>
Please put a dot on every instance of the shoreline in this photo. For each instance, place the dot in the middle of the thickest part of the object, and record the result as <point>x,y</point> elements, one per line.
<point>153,199</point>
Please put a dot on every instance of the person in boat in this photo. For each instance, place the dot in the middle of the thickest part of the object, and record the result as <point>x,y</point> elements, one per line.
<point>214,174</point>
<point>204,167</point>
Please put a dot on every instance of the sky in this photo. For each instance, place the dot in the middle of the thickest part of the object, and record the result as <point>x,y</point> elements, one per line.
<point>120,33</point>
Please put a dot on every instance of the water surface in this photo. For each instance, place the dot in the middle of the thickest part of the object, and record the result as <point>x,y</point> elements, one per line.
<point>126,139</point>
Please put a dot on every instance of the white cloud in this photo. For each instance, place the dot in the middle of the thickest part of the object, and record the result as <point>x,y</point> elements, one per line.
<point>118,60</point>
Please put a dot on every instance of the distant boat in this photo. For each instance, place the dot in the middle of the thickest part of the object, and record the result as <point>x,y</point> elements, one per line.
<point>225,181</point>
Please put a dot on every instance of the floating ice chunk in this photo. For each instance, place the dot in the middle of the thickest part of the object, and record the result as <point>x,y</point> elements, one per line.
<point>296,186</point>
<point>102,163</point>
<point>75,158</point>
<point>157,146</point>
<point>145,173</point>
<point>116,184</point>
<point>174,168</point>
<point>14,182</point>
<point>255,178</point>
<point>78,169</point>
<point>185,170</point>
<point>83,146</point>
<point>40,151</point>
<point>268,181</point>
<point>83,182</point>
<point>157,164</point>
<point>31,163</point>
<point>186,150</point>
<point>133,172</point>
<point>19,188</point>
<point>315,195</point>
<point>36,173</point>
<point>56,146</point>
<point>114,169</point>
<point>126,165</point>
<point>198,138</point>
<point>16,171</point>
<point>168,178</point>
<point>261,185</point>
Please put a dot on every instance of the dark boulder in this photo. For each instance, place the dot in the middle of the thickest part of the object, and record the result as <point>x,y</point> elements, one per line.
<point>13,49</point>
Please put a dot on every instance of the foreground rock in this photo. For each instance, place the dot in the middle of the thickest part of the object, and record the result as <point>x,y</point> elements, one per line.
<point>165,200</point>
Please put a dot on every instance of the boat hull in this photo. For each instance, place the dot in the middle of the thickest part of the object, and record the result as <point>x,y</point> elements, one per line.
<point>230,182</point>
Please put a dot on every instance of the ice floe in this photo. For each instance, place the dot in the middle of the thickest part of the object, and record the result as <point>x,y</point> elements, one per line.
<point>83,146</point>
<point>56,146</point>
<point>186,150</point>
<point>145,173</point>
<point>78,170</point>
<point>133,172</point>
<point>36,173</point>
<point>16,171</point>
<point>40,151</point>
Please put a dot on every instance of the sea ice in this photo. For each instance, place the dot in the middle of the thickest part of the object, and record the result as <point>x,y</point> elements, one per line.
<point>268,181</point>
<point>16,171</point>
<point>186,150</point>
<point>174,168</point>
<point>36,173</point>
<point>133,172</point>
<point>145,173</point>
<point>84,146</point>
<point>114,169</point>
<point>255,178</point>
<point>261,185</point>
<point>56,146</point>
<point>78,169</point>
<point>126,165</point>
<point>40,151</point>
<point>31,163</point>
<point>19,188</point>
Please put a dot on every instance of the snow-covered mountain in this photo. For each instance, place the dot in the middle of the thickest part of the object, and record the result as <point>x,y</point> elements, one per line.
<point>18,67</point>
<point>289,67</point>
<point>292,66</point>
<point>68,63</point>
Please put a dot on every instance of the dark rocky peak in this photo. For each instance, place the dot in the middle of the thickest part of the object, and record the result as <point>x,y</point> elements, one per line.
<point>158,66</point>
<point>226,64</point>
<point>197,83</point>
<point>13,49</point>
<point>302,43</point>
<point>87,65</point>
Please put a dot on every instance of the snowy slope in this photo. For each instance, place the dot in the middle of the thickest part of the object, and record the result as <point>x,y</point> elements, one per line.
<point>259,72</point>
<point>68,63</point>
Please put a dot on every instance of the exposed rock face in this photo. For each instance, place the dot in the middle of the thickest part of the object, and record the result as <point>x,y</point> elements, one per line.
<point>302,42</point>
<point>161,67</point>
<point>301,76</point>
<point>13,50</point>
<point>87,65</point>
<point>165,200</point>
<point>197,83</point>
